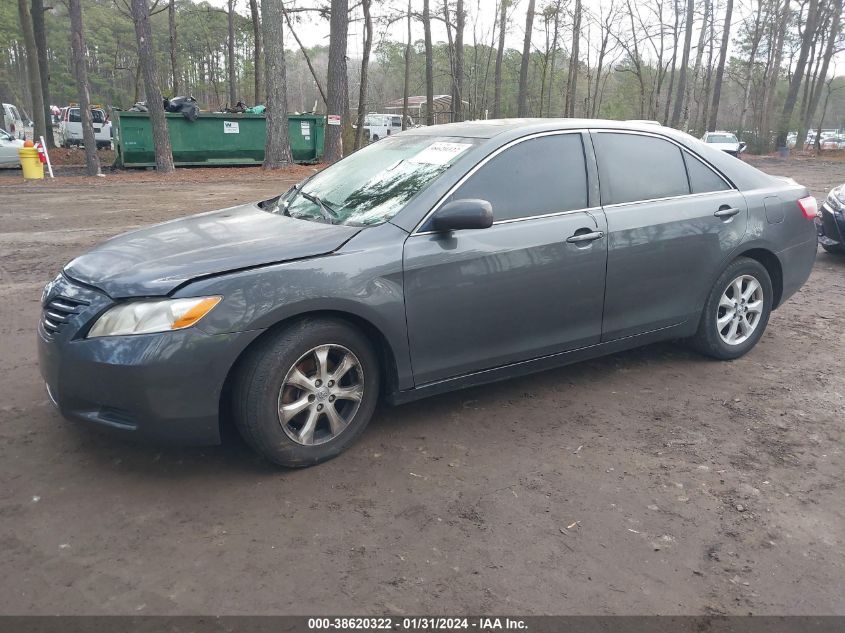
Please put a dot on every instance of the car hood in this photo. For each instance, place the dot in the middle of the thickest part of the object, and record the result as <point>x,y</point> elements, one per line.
<point>156,260</point>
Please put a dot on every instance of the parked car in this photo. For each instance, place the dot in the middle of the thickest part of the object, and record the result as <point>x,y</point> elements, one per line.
<point>725,141</point>
<point>831,222</point>
<point>439,258</point>
<point>9,147</point>
<point>382,125</point>
<point>833,143</point>
<point>12,121</point>
<point>70,128</point>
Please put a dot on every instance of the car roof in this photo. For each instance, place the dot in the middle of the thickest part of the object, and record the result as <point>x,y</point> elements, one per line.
<point>490,128</point>
<point>497,132</point>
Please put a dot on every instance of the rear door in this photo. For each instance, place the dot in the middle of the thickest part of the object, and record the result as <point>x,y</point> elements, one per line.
<point>529,286</point>
<point>672,221</point>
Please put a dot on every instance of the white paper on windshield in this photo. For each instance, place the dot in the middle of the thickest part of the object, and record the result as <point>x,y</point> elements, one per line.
<point>439,153</point>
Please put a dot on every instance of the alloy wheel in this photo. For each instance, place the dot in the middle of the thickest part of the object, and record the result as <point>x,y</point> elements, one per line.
<point>321,394</point>
<point>740,310</point>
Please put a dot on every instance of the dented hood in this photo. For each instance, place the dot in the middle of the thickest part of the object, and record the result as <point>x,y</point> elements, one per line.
<point>156,260</point>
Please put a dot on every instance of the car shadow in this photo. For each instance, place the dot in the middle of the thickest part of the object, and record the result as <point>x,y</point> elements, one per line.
<point>128,457</point>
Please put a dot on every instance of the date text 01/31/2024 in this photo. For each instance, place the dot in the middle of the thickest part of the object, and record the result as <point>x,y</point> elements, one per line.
<point>421,623</point>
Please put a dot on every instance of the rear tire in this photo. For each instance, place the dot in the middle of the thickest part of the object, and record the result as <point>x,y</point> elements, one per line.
<point>736,311</point>
<point>306,392</point>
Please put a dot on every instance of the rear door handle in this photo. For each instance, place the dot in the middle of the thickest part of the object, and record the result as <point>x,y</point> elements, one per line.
<point>580,238</point>
<point>727,212</point>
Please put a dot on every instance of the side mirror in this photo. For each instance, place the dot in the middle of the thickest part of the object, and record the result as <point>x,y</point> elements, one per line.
<point>470,213</point>
<point>742,147</point>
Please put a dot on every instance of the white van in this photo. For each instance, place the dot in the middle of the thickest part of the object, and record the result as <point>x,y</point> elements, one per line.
<point>70,128</point>
<point>12,121</point>
<point>382,125</point>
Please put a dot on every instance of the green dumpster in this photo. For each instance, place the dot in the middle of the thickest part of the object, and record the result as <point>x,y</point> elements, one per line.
<point>214,139</point>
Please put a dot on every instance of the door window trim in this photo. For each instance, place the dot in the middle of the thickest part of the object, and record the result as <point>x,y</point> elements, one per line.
<point>682,148</point>
<point>490,157</point>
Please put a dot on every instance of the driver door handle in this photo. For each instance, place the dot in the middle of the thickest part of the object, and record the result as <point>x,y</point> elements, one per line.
<point>579,238</point>
<point>726,212</point>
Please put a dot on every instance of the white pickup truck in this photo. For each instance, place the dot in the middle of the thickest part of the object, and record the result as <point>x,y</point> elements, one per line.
<point>70,128</point>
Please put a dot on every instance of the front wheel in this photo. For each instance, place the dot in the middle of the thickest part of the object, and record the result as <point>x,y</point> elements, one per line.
<point>736,312</point>
<point>306,392</point>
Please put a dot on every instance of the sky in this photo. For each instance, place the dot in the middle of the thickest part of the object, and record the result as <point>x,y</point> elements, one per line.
<point>313,30</point>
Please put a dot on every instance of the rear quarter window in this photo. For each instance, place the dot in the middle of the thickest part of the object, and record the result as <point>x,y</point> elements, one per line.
<point>702,179</point>
<point>635,167</point>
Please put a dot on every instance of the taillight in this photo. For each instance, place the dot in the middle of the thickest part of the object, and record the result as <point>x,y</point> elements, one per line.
<point>809,207</point>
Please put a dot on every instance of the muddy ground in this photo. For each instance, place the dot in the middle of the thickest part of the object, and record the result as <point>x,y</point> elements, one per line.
<point>652,481</point>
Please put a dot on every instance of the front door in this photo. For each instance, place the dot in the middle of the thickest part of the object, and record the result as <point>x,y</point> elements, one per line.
<point>529,286</point>
<point>672,220</point>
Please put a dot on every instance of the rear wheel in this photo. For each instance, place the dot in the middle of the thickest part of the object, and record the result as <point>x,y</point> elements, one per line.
<point>306,392</point>
<point>736,312</point>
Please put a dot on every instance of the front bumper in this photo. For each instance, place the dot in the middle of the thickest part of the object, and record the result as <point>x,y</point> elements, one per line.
<point>163,386</point>
<point>830,226</point>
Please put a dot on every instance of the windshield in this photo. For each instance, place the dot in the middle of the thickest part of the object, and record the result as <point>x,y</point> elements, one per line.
<point>373,184</point>
<point>721,138</point>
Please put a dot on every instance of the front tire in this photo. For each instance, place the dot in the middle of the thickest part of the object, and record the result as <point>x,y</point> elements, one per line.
<point>736,311</point>
<point>306,392</point>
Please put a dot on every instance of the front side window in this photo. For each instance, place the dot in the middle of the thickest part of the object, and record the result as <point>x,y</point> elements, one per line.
<point>373,184</point>
<point>636,167</point>
<point>538,176</point>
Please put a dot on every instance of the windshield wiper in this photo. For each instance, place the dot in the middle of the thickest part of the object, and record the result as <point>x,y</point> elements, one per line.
<point>329,214</point>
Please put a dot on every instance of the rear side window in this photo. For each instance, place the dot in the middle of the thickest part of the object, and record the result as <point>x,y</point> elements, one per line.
<point>535,177</point>
<point>702,179</point>
<point>636,167</point>
<point>96,115</point>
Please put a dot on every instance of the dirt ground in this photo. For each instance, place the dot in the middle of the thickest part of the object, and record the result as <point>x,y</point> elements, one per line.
<point>652,481</point>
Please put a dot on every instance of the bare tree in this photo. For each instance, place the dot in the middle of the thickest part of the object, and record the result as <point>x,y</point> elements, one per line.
<point>32,67</point>
<point>522,102</point>
<point>756,33</point>
<point>277,144</point>
<point>429,65</point>
<point>407,84</point>
<point>80,72</point>
<point>500,51</point>
<point>458,76</point>
<point>174,59</point>
<point>258,92</point>
<point>155,105</point>
<point>230,53</point>
<point>572,76</point>
<point>337,97</point>
<point>807,38</point>
<point>307,57</point>
<point>365,64</point>
<point>682,75</point>
<point>720,69</point>
<point>821,76</point>
<point>43,67</point>
<point>770,84</point>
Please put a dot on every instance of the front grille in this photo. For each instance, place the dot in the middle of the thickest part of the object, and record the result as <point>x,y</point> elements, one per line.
<point>58,311</point>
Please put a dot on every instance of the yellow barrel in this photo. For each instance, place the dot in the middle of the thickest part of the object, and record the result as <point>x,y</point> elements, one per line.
<point>33,168</point>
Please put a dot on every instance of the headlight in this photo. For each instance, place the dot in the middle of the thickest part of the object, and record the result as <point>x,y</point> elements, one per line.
<point>838,196</point>
<point>144,317</point>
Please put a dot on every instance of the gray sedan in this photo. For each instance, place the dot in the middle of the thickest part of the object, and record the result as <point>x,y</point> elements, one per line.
<point>438,258</point>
